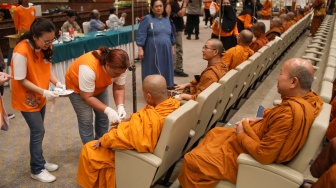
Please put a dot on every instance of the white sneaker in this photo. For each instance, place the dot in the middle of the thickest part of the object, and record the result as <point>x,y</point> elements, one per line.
<point>44,176</point>
<point>50,167</point>
<point>205,27</point>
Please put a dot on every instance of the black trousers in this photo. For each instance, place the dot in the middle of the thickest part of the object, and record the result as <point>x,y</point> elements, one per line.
<point>192,23</point>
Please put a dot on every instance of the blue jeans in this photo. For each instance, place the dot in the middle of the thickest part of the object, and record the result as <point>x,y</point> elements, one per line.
<point>85,117</point>
<point>35,121</point>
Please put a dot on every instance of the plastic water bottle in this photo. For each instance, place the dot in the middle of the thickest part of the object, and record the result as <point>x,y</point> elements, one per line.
<point>81,9</point>
<point>72,33</point>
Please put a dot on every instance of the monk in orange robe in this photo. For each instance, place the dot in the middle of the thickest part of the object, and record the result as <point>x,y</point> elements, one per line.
<point>331,131</point>
<point>274,29</point>
<point>212,52</point>
<point>324,167</point>
<point>290,18</point>
<point>317,19</point>
<point>235,56</point>
<point>299,14</point>
<point>3,115</point>
<point>96,166</point>
<point>267,10</point>
<point>284,25</point>
<point>275,138</point>
<point>306,10</point>
<point>258,30</point>
<point>282,11</point>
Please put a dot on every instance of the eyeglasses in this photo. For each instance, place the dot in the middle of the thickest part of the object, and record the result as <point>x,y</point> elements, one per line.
<point>46,43</point>
<point>207,48</point>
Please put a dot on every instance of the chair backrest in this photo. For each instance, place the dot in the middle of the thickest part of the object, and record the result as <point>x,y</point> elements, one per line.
<point>228,81</point>
<point>316,133</point>
<point>207,100</point>
<point>243,73</point>
<point>86,27</point>
<point>174,136</point>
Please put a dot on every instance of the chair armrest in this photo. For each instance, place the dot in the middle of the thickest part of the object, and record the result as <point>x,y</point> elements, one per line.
<point>146,157</point>
<point>253,174</point>
<point>135,169</point>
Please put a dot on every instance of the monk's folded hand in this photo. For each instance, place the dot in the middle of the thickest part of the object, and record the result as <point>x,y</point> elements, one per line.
<point>96,144</point>
<point>239,126</point>
<point>252,119</point>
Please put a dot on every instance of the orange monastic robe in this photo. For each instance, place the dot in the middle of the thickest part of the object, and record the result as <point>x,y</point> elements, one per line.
<point>298,17</point>
<point>290,23</point>
<point>267,10</point>
<point>276,138</point>
<point>272,33</point>
<point>324,167</point>
<point>236,55</point>
<point>331,131</point>
<point>210,75</point>
<point>96,167</point>
<point>258,43</point>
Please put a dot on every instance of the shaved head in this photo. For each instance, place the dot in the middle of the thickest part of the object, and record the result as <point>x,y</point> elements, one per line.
<point>290,15</point>
<point>283,17</point>
<point>303,70</point>
<point>246,37</point>
<point>217,45</point>
<point>260,26</point>
<point>156,86</point>
<point>277,22</point>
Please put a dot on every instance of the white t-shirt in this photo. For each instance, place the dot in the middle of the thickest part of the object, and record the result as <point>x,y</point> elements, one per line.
<point>87,79</point>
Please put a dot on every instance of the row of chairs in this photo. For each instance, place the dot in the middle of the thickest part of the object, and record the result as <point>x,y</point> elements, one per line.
<point>184,127</point>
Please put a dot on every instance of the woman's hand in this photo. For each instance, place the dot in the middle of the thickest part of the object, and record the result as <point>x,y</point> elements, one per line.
<point>140,53</point>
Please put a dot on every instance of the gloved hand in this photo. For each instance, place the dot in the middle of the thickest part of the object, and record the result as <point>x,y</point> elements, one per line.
<point>50,95</point>
<point>121,111</point>
<point>60,85</point>
<point>112,116</point>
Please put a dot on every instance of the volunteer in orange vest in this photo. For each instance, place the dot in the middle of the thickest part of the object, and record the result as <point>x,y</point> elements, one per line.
<point>89,76</point>
<point>24,16</point>
<point>31,71</point>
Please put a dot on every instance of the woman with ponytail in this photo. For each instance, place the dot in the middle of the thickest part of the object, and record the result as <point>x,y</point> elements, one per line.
<point>89,76</point>
<point>31,71</point>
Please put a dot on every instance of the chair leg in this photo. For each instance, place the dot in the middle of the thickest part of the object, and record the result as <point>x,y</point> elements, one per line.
<point>165,181</point>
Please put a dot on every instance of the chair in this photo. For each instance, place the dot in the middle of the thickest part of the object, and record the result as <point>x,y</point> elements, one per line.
<point>142,170</point>
<point>207,101</point>
<point>86,27</point>
<point>228,81</point>
<point>252,174</point>
<point>326,91</point>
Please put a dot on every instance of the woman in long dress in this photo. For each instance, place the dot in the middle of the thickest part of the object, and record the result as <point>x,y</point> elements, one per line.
<point>155,40</point>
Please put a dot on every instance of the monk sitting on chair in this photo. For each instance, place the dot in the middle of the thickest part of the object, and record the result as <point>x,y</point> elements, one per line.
<point>96,166</point>
<point>274,29</point>
<point>275,138</point>
<point>238,54</point>
<point>267,10</point>
<point>212,52</point>
<point>284,25</point>
<point>324,168</point>
<point>258,30</point>
<point>290,18</point>
<point>306,10</point>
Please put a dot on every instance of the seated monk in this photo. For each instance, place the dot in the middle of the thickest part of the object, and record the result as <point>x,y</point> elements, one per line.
<point>96,166</point>
<point>258,30</point>
<point>306,10</point>
<point>267,10</point>
<point>238,54</point>
<point>331,131</point>
<point>284,25</point>
<point>212,52</point>
<point>275,138</point>
<point>282,11</point>
<point>299,14</point>
<point>324,167</point>
<point>274,29</point>
<point>290,19</point>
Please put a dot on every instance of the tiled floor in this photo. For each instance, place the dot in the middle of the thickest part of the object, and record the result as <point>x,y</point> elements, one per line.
<point>62,144</point>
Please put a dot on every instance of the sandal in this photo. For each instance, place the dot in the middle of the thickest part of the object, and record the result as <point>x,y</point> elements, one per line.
<point>311,182</point>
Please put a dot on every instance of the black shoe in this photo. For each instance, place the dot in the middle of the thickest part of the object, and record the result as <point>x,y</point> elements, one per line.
<point>188,37</point>
<point>196,38</point>
<point>180,74</point>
